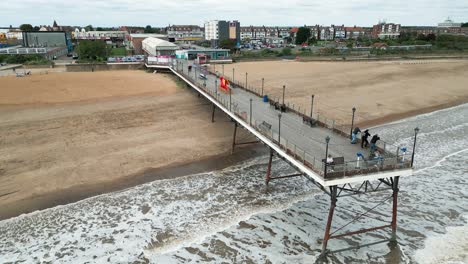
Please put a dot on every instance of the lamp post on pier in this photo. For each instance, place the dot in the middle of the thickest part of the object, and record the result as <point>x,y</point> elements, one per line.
<point>279,129</point>
<point>232,75</point>
<point>416,131</point>
<point>327,139</point>
<point>263,83</point>
<point>222,65</point>
<point>250,111</point>
<point>312,105</point>
<point>352,124</point>
<point>246,87</point>
<point>284,90</point>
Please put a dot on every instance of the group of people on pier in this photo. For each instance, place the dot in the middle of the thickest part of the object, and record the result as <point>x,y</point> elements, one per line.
<point>364,140</point>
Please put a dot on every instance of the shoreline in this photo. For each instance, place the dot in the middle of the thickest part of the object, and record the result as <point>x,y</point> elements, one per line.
<point>173,171</point>
<point>180,169</point>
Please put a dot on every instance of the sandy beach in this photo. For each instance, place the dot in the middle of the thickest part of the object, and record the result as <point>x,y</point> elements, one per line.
<point>90,131</point>
<point>381,91</point>
<point>68,136</point>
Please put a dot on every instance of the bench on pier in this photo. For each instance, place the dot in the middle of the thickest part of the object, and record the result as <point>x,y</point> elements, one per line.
<point>336,161</point>
<point>265,126</point>
<point>309,121</point>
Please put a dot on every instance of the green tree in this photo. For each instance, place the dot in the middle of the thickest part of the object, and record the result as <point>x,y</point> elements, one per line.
<point>36,28</point>
<point>227,44</point>
<point>302,35</point>
<point>312,41</point>
<point>465,24</point>
<point>92,50</point>
<point>149,29</point>
<point>89,28</point>
<point>26,27</point>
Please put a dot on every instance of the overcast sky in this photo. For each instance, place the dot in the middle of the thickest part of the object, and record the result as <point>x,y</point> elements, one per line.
<point>248,12</point>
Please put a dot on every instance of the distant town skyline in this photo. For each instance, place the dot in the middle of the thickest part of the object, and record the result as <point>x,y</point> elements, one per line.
<point>280,12</point>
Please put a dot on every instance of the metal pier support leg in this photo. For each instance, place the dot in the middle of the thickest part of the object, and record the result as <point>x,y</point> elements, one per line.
<point>333,192</point>
<point>267,179</point>
<point>234,137</point>
<point>212,114</point>
<point>395,207</point>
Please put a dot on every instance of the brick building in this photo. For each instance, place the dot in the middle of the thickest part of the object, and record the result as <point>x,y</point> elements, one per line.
<point>386,30</point>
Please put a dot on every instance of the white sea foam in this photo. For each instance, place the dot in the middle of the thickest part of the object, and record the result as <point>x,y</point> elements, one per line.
<point>227,216</point>
<point>448,248</point>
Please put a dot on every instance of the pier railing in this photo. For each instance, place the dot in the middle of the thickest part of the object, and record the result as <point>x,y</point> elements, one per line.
<point>391,158</point>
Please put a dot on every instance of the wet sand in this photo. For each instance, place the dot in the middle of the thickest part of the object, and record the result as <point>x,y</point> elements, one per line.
<point>77,193</point>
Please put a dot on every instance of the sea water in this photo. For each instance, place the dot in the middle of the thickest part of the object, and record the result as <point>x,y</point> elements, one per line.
<point>230,216</point>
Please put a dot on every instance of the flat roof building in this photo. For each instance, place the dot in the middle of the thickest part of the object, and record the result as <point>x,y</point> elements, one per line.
<point>158,47</point>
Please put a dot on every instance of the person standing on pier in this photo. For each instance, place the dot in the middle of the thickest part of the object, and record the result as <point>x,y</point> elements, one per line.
<point>373,143</point>
<point>354,135</point>
<point>365,136</point>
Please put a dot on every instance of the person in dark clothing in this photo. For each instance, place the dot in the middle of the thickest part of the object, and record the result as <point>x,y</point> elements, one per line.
<point>365,136</point>
<point>373,143</point>
<point>354,135</point>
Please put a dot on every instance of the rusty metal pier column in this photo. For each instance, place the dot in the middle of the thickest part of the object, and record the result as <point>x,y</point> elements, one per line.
<point>333,192</point>
<point>395,207</point>
<point>234,137</point>
<point>267,179</point>
<point>213,113</point>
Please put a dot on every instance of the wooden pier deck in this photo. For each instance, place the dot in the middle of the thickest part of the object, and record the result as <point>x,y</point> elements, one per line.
<point>300,142</point>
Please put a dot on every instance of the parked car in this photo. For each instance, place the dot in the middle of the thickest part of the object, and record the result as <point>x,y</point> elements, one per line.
<point>75,56</point>
<point>111,59</point>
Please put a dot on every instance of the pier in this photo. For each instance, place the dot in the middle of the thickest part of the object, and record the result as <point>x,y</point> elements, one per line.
<point>305,140</point>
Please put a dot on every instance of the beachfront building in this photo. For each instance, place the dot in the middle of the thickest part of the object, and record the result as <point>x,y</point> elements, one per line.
<point>158,47</point>
<point>340,32</point>
<point>211,54</point>
<point>185,33</point>
<point>219,30</point>
<point>385,30</point>
<point>448,23</point>
<point>327,33</point>
<point>45,39</point>
<point>354,32</point>
<point>134,42</point>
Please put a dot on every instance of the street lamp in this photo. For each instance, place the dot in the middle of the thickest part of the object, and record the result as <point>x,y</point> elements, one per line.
<point>416,131</point>
<point>263,83</point>
<point>327,139</point>
<point>246,87</point>
<point>250,111</point>
<point>279,129</point>
<point>223,68</point>
<point>352,124</point>
<point>232,75</point>
<point>312,106</point>
<point>284,89</point>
